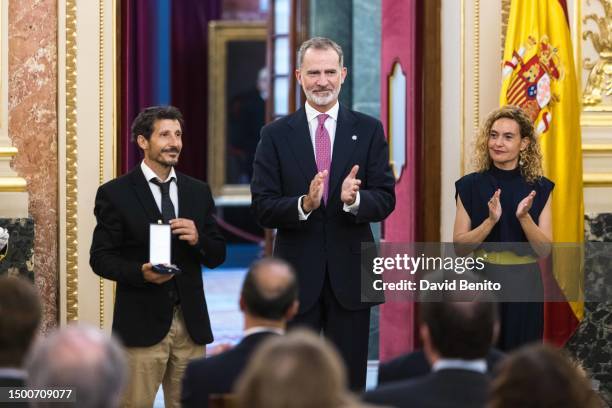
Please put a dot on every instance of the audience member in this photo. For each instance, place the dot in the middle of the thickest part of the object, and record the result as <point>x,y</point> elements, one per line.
<point>543,377</point>
<point>83,359</point>
<point>300,370</point>
<point>457,336</point>
<point>268,300</point>
<point>415,364</point>
<point>20,313</point>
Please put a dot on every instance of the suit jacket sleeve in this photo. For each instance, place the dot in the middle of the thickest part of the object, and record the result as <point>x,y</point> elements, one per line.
<point>105,257</point>
<point>188,389</point>
<point>377,199</point>
<point>272,209</point>
<point>211,243</point>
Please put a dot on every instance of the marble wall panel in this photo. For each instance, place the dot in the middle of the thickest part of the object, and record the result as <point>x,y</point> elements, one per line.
<point>592,342</point>
<point>16,256</point>
<point>32,70</point>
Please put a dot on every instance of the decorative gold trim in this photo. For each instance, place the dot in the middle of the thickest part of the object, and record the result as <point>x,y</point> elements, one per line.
<point>13,185</point>
<point>116,91</point>
<point>597,180</point>
<point>8,151</point>
<point>462,86</point>
<point>598,83</point>
<point>505,16</point>
<point>101,130</point>
<point>597,148</point>
<point>476,65</point>
<point>219,34</point>
<point>72,266</point>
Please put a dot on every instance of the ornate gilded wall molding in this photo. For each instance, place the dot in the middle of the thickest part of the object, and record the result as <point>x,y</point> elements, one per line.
<point>599,80</point>
<point>505,16</point>
<point>462,87</point>
<point>101,131</point>
<point>72,304</point>
<point>476,65</point>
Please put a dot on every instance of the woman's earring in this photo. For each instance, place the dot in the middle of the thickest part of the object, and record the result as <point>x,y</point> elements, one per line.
<point>521,156</point>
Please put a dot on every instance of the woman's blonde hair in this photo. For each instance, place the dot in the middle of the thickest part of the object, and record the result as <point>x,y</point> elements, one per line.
<point>299,370</point>
<point>530,161</point>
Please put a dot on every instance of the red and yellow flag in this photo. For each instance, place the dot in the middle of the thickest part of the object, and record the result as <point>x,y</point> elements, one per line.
<point>539,76</point>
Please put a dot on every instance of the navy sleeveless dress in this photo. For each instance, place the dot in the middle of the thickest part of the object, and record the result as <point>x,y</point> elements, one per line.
<point>521,321</point>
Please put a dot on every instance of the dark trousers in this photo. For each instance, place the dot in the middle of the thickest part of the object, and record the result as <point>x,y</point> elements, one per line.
<point>348,330</point>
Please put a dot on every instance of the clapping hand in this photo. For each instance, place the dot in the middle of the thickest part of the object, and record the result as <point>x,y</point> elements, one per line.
<point>522,210</point>
<point>350,187</point>
<point>312,201</point>
<point>495,209</point>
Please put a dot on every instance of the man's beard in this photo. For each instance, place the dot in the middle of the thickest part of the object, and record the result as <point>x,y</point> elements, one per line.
<point>167,162</point>
<point>321,100</point>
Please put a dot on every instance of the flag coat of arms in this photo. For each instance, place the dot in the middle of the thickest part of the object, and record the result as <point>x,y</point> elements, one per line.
<point>538,75</point>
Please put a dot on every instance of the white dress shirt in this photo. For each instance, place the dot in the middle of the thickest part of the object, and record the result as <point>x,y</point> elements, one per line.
<point>478,365</point>
<point>156,190</point>
<point>330,124</point>
<point>262,329</point>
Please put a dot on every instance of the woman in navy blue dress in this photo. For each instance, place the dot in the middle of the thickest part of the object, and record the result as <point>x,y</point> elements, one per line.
<point>507,200</point>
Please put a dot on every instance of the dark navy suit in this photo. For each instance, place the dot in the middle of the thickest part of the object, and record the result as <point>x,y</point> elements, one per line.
<point>325,249</point>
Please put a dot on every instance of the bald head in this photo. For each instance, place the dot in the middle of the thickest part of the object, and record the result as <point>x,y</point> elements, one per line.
<point>82,358</point>
<point>269,289</point>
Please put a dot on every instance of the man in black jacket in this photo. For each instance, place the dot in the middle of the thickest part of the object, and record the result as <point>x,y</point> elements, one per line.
<point>457,336</point>
<point>415,364</point>
<point>268,299</point>
<point>161,317</point>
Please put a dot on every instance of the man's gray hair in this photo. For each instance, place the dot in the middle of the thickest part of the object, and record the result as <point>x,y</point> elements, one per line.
<point>82,358</point>
<point>319,43</point>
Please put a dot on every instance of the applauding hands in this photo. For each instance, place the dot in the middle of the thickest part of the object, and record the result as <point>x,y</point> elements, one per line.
<point>522,210</point>
<point>312,201</point>
<point>350,187</point>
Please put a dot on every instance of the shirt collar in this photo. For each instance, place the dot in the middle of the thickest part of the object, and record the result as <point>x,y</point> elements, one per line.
<point>478,365</point>
<point>263,329</point>
<point>150,174</point>
<point>12,373</point>
<point>312,113</point>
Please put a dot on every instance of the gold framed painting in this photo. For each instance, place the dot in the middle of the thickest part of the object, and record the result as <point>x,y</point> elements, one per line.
<point>237,90</point>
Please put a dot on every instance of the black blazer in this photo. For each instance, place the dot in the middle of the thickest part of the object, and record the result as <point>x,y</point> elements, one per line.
<point>217,374</point>
<point>14,382</point>
<point>415,364</point>
<point>331,238</point>
<point>448,388</point>
<point>143,311</point>
<point>9,381</point>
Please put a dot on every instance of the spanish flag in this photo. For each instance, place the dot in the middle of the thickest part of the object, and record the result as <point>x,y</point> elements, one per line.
<point>539,75</point>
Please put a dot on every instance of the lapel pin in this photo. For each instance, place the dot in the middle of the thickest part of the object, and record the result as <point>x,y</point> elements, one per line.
<point>354,137</point>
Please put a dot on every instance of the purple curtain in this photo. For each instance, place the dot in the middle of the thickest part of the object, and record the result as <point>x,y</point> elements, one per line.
<point>189,66</point>
<point>137,77</point>
<point>189,69</point>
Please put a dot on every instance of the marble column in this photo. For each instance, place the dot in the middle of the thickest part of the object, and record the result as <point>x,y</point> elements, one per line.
<point>366,97</point>
<point>334,19</point>
<point>33,130</point>
<point>591,345</point>
<point>366,56</point>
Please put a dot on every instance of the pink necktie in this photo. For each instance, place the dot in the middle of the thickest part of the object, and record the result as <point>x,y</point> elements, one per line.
<point>323,151</point>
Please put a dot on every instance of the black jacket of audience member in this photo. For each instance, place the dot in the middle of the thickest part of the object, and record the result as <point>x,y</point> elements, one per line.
<point>415,364</point>
<point>217,374</point>
<point>446,388</point>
